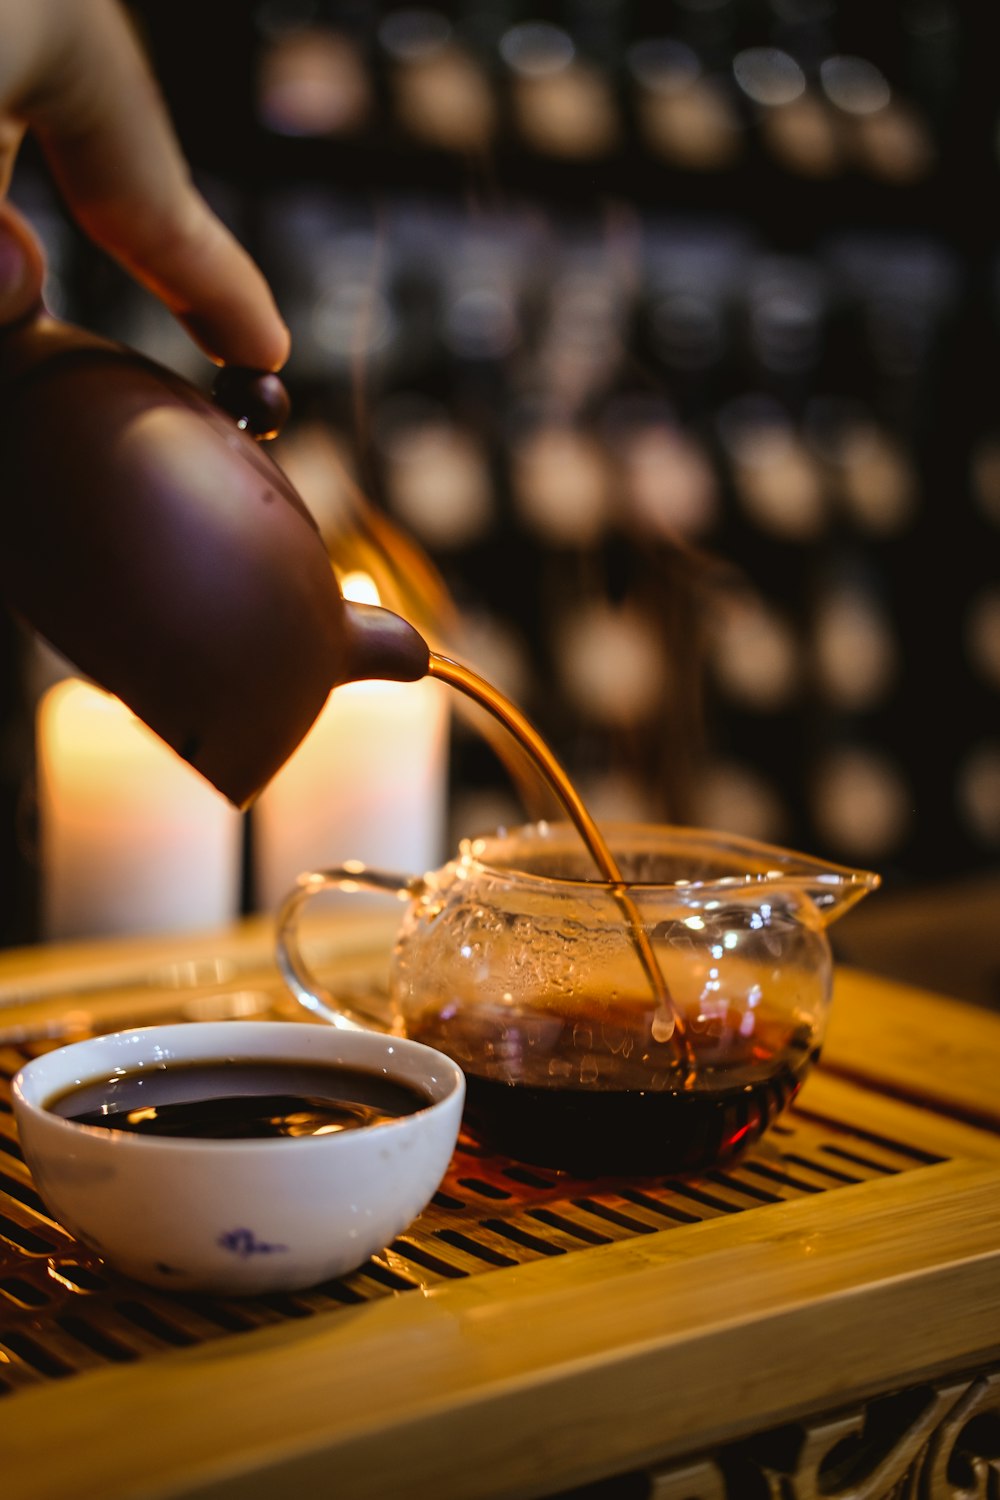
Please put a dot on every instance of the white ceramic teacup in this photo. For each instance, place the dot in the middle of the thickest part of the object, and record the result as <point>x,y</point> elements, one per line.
<point>238,1216</point>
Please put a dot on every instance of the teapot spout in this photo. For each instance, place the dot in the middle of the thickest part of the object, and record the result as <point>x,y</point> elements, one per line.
<point>381,644</point>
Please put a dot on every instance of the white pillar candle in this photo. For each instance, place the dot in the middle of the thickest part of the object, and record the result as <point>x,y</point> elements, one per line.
<point>132,839</point>
<point>368,782</point>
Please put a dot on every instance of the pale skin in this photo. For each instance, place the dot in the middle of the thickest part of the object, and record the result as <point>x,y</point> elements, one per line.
<point>73,74</point>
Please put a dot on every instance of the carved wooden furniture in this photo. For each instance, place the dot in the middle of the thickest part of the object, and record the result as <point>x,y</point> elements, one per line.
<point>822,1319</point>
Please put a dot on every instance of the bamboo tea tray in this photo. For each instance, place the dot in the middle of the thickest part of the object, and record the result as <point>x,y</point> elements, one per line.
<point>822,1319</point>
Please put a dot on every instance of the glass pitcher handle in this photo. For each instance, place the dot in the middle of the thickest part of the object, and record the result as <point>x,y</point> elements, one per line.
<point>307,988</point>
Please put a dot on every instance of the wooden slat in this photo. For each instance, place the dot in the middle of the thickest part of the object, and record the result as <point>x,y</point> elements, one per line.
<point>938,1051</point>
<point>141,981</point>
<point>557,1371</point>
<point>830,1099</point>
<point>568,1367</point>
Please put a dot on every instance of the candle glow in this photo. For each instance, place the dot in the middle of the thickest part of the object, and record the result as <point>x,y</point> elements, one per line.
<point>367,783</point>
<point>132,839</point>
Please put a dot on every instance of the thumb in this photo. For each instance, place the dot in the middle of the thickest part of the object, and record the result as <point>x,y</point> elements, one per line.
<point>22,267</point>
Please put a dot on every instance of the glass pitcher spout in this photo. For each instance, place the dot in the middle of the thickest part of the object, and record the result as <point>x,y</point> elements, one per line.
<point>834,890</point>
<point>729,861</point>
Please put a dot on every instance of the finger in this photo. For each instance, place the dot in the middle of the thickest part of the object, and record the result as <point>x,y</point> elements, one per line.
<point>22,267</point>
<point>108,139</point>
<point>11,135</point>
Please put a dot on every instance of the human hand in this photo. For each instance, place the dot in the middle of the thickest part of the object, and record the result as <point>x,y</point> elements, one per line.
<point>72,73</point>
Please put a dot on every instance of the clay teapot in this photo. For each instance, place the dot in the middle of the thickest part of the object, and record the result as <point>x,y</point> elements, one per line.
<point>150,539</point>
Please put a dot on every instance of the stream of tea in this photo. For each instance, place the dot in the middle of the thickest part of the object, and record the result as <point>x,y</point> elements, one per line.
<point>668,1024</point>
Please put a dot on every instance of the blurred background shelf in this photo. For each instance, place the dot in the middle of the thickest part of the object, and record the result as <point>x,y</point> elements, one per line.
<point>666,331</point>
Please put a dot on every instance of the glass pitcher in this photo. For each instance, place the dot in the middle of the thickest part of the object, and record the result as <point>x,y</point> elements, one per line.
<point>519,964</point>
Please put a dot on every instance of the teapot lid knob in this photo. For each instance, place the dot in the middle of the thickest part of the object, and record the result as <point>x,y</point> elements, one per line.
<point>256,398</point>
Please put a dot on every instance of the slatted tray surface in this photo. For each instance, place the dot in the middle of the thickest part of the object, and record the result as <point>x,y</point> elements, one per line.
<point>63,1311</point>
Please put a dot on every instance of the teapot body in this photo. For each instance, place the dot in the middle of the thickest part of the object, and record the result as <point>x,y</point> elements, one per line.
<point>147,536</point>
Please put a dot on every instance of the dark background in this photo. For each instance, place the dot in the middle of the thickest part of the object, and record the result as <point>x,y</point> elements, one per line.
<point>859,298</point>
